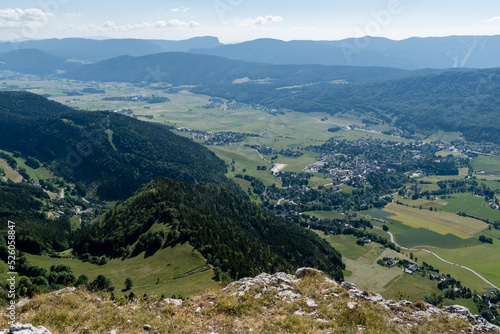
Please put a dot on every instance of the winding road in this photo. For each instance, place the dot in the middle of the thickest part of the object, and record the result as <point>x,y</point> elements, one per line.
<point>440,258</point>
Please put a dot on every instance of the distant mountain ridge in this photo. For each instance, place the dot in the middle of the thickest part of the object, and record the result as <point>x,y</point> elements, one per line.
<point>193,69</point>
<point>412,53</point>
<point>34,61</point>
<point>97,50</point>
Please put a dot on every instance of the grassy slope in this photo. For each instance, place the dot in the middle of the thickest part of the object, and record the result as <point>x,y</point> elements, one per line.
<point>9,172</point>
<point>413,286</point>
<point>144,271</point>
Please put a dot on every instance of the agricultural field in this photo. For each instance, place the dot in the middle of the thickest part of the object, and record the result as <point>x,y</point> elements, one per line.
<point>392,283</point>
<point>325,214</point>
<point>454,238</point>
<point>470,204</point>
<point>466,277</point>
<point>411,287</point>
<point>446,153</point>
<point>444,136</point>
<point>439,222</point>
<point>487,164</point>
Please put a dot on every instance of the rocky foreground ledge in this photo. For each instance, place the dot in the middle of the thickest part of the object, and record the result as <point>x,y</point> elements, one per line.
<point>307,302</point>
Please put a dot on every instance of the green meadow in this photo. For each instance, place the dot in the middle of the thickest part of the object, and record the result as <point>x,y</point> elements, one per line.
<point>171,271</point>
<point>472,205</point>
<point>488,164</point>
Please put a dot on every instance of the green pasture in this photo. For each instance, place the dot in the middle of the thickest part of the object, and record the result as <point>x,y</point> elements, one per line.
<point>421,237</point>
<point>483,258</point>
<point>412,287</point>
<point>444,136</point>
<point>361,262</point>
<point>162,267</point>
<point>245,158</point>
<point>466,277</point>
<point>9,172</point>
<point>439,222</point>
<point>346,245</point>
<point>472,205</point>
<point>360,134</point>
<point>446,153</point>
<point>325,214</point>
<point>488,164</point>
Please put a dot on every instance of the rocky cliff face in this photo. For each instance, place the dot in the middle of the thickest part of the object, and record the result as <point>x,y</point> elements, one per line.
<point>307,302</point>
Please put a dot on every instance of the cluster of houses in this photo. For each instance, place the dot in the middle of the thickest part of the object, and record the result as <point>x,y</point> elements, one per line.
<point>216,103</point>
<point>378,219</point>
<point>58,212</point>
<point>493,204</point>
<point>411,269</point>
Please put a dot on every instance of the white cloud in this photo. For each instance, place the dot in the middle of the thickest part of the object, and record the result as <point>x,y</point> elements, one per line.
<point>177,9</point>
<point>72,15</point>
<point>261,21</point>
<point>17,18</point>
<point>495,19</point>
<point>112,26</point>
<point>176,24</point>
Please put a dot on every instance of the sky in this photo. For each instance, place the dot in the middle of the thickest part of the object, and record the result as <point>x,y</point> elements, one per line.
<point>234,21</point>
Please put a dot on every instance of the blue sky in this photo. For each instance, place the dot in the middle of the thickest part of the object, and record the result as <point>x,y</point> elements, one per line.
<point>240,20</point>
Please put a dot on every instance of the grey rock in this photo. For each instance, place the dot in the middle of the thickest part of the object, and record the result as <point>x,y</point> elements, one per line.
<point>348,285</point>
<point>301,272</point>
<point>175,302</point>
<point>310,302</point>
<point>68,290</point>
<point>287,294</point>
<point>25,329</point>
<point>352,305</point>
<point>459,309</point>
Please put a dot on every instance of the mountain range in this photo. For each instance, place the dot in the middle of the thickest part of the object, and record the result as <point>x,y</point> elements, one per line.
<point>412,53</point>
<point>90,50</point>
<point>179,68</point>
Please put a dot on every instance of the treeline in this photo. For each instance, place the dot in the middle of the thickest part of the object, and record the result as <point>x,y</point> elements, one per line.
<point>35,279</point>
<point>237,237</point>
<point>113,155</point>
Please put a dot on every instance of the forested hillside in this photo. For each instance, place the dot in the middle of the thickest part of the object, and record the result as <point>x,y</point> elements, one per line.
<point>33,61</point>
<point>21,203</point>
<point>112,154</point>
<point>235,236</point>
<point>179,68</point>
